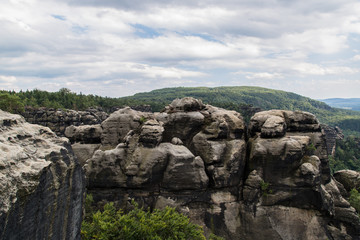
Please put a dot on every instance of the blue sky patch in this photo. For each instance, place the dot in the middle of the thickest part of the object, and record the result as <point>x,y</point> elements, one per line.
<point>59,17</point>
<point>145,31</point>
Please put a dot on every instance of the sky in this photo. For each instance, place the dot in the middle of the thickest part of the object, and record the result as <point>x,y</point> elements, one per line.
<point>117,48</point>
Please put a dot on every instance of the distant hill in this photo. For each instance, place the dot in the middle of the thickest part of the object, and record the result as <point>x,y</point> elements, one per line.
<point>345,103</point>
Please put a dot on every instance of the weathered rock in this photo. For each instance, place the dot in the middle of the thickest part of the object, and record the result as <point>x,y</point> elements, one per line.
<point>183,125</point>
<point>331,134</point>
<point>84,152</point>
<point>289,185</point>
<point>348,178</point>
<point>119,123</point>
<point>58,119</point>
<point>151,133</point>
<point>184,171</point>
<point>187,104</point>
<point>41,183</point>
<point>87,134</point>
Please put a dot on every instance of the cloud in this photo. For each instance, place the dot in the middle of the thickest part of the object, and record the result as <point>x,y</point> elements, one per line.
<point>129,46</point>
<point>356,58</point>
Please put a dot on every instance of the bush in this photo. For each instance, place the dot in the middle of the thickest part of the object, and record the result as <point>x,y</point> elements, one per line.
<point>354,199</point>
<point>11,103</point>
<point>139,224</point>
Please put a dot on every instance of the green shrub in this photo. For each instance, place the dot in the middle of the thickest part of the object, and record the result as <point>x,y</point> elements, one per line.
<point>354,199</point>
<point>11,103</point>
<point>140,224</point>
<point>265,188</point>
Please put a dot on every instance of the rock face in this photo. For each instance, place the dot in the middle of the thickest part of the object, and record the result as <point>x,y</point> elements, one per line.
<point>348,178</point>
<point>41,183</point>
<point>289,192</point>
<point>271,181</point>
<point>57,120</point>
<point>332,134</point>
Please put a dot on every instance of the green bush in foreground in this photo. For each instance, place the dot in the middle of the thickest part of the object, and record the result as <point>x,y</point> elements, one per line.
<point>140,224</point>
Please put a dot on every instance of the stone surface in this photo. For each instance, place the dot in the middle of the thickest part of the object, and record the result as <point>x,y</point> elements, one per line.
<point>331,134</point>
<point>187,104</point>
<point>348,178</point>
<point>41,183</point>
<point>289,192</point>
<point>87,134</point>
<point>119,123</point>
<point>58,119</point>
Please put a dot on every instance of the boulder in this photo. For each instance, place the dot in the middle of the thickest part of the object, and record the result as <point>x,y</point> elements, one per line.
<point>348,178</point>
<point>119,123</point>
<point>86,134</point>
<point>41,183</point>
<point>187,104</point>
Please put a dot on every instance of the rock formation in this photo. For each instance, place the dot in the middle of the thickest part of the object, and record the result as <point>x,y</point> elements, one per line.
<point>57,119</point>
<point>271,181</point>
<point>289,192</point>
<point>348,178</point>
<point>41,183</point>
<point>332,134</point>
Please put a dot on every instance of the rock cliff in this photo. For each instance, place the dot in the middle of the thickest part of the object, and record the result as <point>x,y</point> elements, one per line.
<point>41,183</point>
<point>268,181</point>
<point>57,119</point>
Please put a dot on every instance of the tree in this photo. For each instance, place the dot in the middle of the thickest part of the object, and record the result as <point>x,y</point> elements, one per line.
<point>11,103</point>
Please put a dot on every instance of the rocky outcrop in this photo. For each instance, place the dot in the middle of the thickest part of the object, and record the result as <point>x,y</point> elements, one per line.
<point>332,134</point>
<point>289,192</point>
<point>348,178</point>
<point>201,159</point>
<point>58,119</point>
<point>41,183</point>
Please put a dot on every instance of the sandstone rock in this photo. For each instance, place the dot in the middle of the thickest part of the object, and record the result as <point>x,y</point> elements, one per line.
<point>198,159</point>
<point>280,222</point>
<point>348,178</point>
<point>275,123</point>
<point>84,152</point>
<point>331,134</point>
<point>183,125</point>
<point>187,104</point>
<point>57,119</point>
<point>184,170</point>
<point>119,123</point>
<point>274,126</point>
<point>151,133</point>
<point>41,183</point>
<point>176,141</point>
<point>87,134</point>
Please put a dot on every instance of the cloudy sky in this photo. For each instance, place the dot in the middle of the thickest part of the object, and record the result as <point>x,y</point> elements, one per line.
<point>120,47</point>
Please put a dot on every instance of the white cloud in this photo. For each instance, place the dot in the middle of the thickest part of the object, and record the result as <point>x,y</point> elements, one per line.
<point>356,58</point>
<point>263,75</point>
<point>74,43</point>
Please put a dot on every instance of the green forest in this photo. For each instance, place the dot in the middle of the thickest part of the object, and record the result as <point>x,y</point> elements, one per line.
<point>347,155</point>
